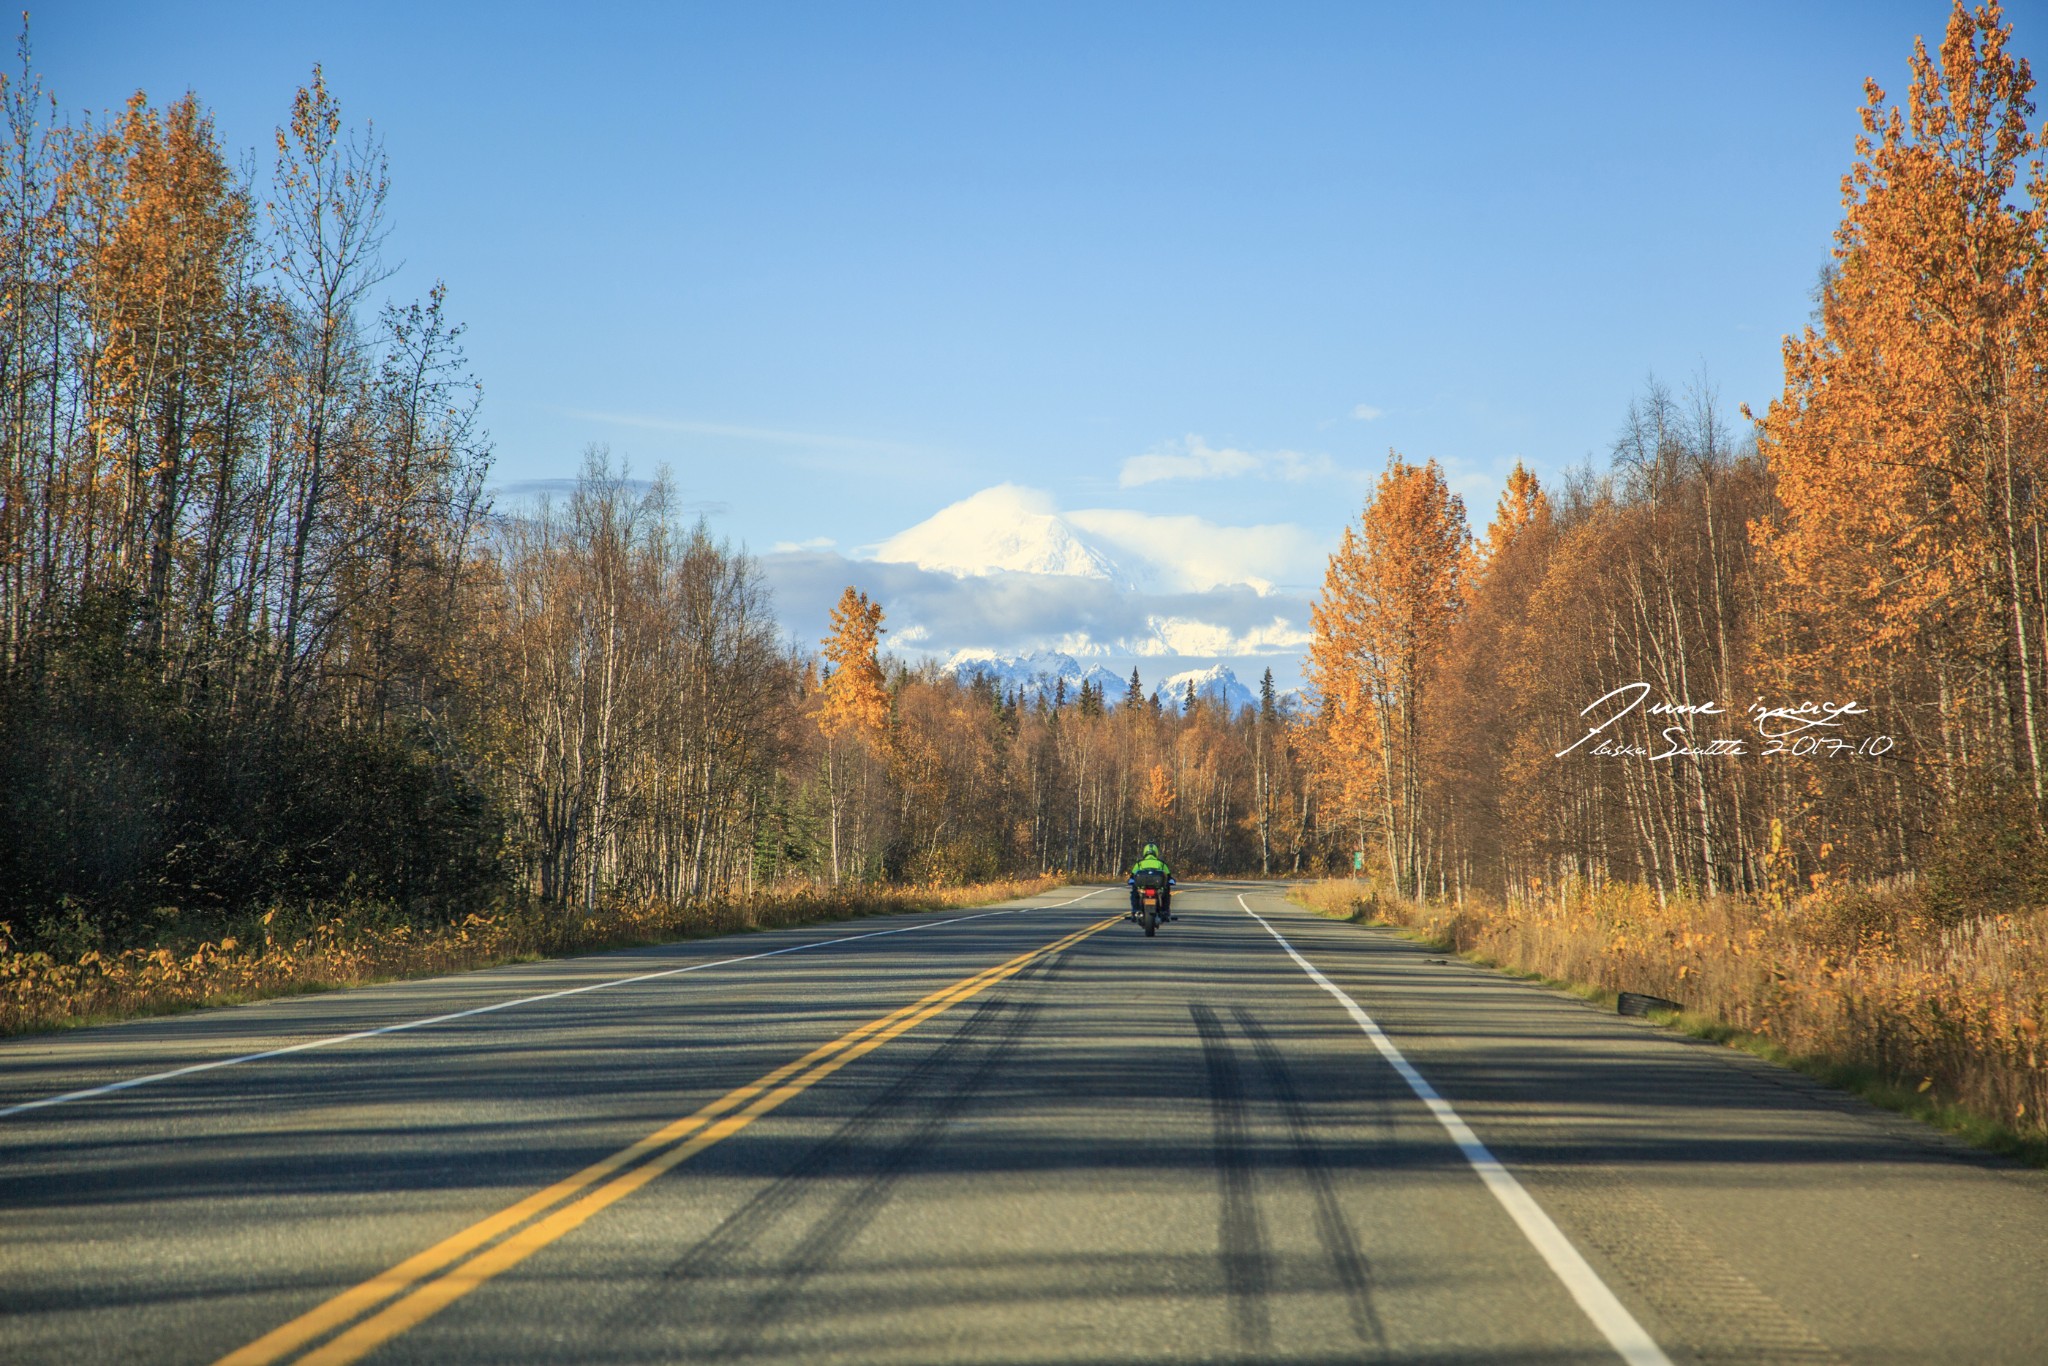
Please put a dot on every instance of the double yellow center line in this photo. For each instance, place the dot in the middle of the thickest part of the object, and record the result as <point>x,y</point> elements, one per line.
<point>423,1285</point>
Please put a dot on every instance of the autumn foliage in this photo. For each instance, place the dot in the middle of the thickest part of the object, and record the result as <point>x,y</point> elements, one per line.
<point>270,655</point>
<point>855,700</point>
<point>1878,545</point>
<point>1754,718</point>
<point>1394,588</point>
<point>1908,448</point>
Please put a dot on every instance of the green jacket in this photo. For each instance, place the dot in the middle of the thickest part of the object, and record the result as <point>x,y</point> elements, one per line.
<point>1151,861</point>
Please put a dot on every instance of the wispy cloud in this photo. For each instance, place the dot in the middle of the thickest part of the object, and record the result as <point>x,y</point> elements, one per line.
<point>556,488</point>
<point>1191,457</point>
<point>1195,554</point>
<point>1365,412</point>
<point>737,432</point>
<point>798,547</point>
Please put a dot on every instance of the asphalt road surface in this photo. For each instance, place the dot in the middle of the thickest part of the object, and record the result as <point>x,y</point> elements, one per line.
<point>1020,1134</point>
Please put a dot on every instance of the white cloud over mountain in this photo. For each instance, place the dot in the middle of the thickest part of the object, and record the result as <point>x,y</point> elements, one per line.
<point>1001,529</point>
<point>1191,457</point>
<point>1006,572</point>
<point>1013,613</point>
<point>1009,529</point>
<point>1285,633</point>
<point>1193,554</point>
<point>1007,575</point>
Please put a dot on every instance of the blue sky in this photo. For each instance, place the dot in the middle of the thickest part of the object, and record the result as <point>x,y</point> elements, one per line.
<point>842,266</point>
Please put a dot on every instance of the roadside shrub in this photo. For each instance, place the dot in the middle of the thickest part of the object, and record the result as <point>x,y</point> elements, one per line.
<point>1990,856</point>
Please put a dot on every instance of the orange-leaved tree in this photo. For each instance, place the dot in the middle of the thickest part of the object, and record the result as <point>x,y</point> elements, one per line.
<point>1477,754</point>
<point>1523,505</point>
<point>1389,598</point>
<point>1343,741</point>
<point>165,275</point>
<point>1908,445</point>
<point>855,698</point>
<point>855,705</point>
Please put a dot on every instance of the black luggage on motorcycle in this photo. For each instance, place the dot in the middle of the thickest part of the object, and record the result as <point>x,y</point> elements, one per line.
<point>1150,907</point>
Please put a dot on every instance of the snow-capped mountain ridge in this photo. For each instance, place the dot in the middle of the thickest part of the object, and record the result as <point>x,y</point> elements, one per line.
<point>1217,683</point>
<point>1037,674</point>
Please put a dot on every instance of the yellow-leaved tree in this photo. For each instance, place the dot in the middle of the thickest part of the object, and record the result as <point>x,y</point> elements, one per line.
<point>1523,505</point>
<point>1342,740</point>
<point>1479,713</point>
<point>165,263</point>
<point>1381,627</point>
<point>1908,446</point>
<point>854,714</point>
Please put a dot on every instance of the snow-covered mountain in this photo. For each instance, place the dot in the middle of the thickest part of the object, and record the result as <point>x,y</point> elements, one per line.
<point>1036,674</point>
<point>1023,580</point>
<point>1040,672</point>
<point>1011,529</point>
<point>1002,528</point>
<point>1217,683</point>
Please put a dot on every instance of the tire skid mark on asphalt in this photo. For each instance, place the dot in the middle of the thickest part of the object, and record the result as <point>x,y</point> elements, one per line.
<point>1242,1237</point>
<point>1593,1295</point>
<point>831,1236</point>
<point>1332,1228</point>
<point>428,1282</point>
<point>713,1256</point>
<point>1719,1315</point>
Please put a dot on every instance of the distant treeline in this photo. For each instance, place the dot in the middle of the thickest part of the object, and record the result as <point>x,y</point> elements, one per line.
<point>648,736</point>
<point>263,641</point>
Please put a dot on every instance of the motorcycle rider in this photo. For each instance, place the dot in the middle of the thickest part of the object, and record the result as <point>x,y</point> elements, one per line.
<point>1150,862</point>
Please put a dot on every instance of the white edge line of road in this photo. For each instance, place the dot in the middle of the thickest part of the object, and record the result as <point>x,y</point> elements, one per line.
<point>402,1026</point>
<point>1599,1303</point>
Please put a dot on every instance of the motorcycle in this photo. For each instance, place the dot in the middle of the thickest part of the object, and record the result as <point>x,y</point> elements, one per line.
<point>1151,908</point>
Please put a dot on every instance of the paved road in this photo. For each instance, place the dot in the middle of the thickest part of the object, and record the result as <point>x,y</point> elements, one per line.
<point>1028,1134</point>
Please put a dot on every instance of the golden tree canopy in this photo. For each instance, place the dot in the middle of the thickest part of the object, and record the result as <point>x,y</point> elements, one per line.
<point>1909,435</point>
<point>855,698</point>
<point>1523,504</point>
